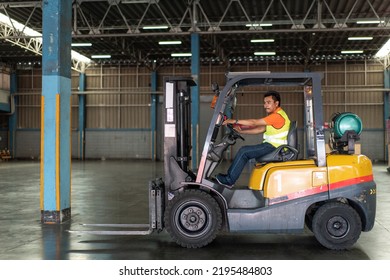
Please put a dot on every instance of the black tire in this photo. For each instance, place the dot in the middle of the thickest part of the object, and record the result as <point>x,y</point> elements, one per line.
<point>337,226</point>
<point>193,218</point>
<point>309,222</point>
<point>309,216</point>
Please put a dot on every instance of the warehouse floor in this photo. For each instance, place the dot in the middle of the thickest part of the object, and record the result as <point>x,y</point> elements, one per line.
<point>115,191</point>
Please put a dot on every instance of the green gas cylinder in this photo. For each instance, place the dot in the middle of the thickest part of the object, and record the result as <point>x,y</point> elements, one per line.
<point>343,122</point>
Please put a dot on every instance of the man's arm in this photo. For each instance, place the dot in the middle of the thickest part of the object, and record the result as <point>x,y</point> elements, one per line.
<point>248,122</point>
<point>252,130</point>
<point>248,126</point>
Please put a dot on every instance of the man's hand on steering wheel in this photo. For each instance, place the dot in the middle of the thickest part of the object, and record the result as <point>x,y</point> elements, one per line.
<point>234,132</point>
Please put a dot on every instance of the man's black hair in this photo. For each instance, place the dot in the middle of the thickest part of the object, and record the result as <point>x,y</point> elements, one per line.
<point>275,95</point>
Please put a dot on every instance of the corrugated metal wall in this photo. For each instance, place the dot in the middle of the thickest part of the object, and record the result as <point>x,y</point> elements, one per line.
<point>118,102</point>
<point>114,111</point>
<point>3,138</point>
<point>4,100</point>
<point>29,111</point>
<point>119,98</point>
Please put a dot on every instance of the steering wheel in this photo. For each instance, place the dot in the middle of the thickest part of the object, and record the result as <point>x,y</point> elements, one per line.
<point>234,133</point>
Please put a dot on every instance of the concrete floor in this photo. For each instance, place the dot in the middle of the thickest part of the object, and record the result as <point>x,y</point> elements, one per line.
<point>116,192</point>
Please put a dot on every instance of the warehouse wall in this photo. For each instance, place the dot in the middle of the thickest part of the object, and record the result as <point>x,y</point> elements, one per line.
<point>118,144</point>
<point>28,143</point>
<point>118,105</point>
<point>5,107</point>
<point>3,139</point>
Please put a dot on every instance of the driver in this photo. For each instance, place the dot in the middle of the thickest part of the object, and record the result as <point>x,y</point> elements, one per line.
<point>275,128</point>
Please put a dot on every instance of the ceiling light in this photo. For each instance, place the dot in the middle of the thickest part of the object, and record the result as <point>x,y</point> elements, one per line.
<point>370,21</point>
<point>19,5</point>
<point>101,56</point>
<point>262,40</point>
<point>169,43</point>
<point>351,51</point>
<point>155,27</point>
<point>258,24</point>
<point>359,38</point>
<point>384,50</point>
<point>264,53</point>
<point>81,44</point>
<point>135,1</point>
<point>181,54</point>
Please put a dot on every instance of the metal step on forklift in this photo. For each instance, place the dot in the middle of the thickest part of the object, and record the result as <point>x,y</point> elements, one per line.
<point>298,185</point>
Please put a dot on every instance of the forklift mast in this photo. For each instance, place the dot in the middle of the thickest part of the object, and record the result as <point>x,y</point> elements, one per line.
<point>177,131</point>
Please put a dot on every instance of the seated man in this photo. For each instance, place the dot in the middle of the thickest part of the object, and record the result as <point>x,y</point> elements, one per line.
<point>275,127</point>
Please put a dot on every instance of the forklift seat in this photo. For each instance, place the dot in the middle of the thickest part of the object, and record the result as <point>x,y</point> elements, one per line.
<point>284,152</point>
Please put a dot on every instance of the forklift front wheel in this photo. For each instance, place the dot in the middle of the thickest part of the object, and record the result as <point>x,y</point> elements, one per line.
<point>193,218</point>
<point>337,226</point>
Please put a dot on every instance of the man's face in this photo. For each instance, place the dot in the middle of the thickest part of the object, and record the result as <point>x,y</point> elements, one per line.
<point>270,105</point>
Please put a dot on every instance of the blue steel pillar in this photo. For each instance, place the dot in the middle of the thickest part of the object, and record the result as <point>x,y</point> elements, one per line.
<point>195,72</point>
<point>12,122</point>
<point>55,112</point>
<point>81,116</point>
<point>153,112</point>
<point>386,104</point>
<point>386,95</point>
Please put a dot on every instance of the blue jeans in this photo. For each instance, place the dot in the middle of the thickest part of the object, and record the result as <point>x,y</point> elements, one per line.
<point>245,154</point>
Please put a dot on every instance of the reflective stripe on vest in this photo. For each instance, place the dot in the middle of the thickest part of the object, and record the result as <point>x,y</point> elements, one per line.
<point>277,137</point>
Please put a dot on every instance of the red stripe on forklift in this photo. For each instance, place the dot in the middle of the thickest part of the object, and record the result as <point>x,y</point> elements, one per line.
<point>303,193</point>
<point>307,192</point>
<point>349,182</point>
<point>322,188</point>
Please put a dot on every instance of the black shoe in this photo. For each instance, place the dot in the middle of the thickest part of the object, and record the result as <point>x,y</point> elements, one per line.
<point>223,182</point>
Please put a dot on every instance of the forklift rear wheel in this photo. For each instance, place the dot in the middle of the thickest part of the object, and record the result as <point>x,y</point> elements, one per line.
<point>337,226</point>
<point>193,218</point>
<point>309,222</point>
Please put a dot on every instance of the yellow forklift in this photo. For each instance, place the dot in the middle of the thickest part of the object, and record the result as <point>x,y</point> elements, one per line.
<point>333,194</point>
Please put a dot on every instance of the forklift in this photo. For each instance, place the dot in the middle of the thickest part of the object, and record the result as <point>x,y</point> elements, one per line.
<point>332,194</point>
